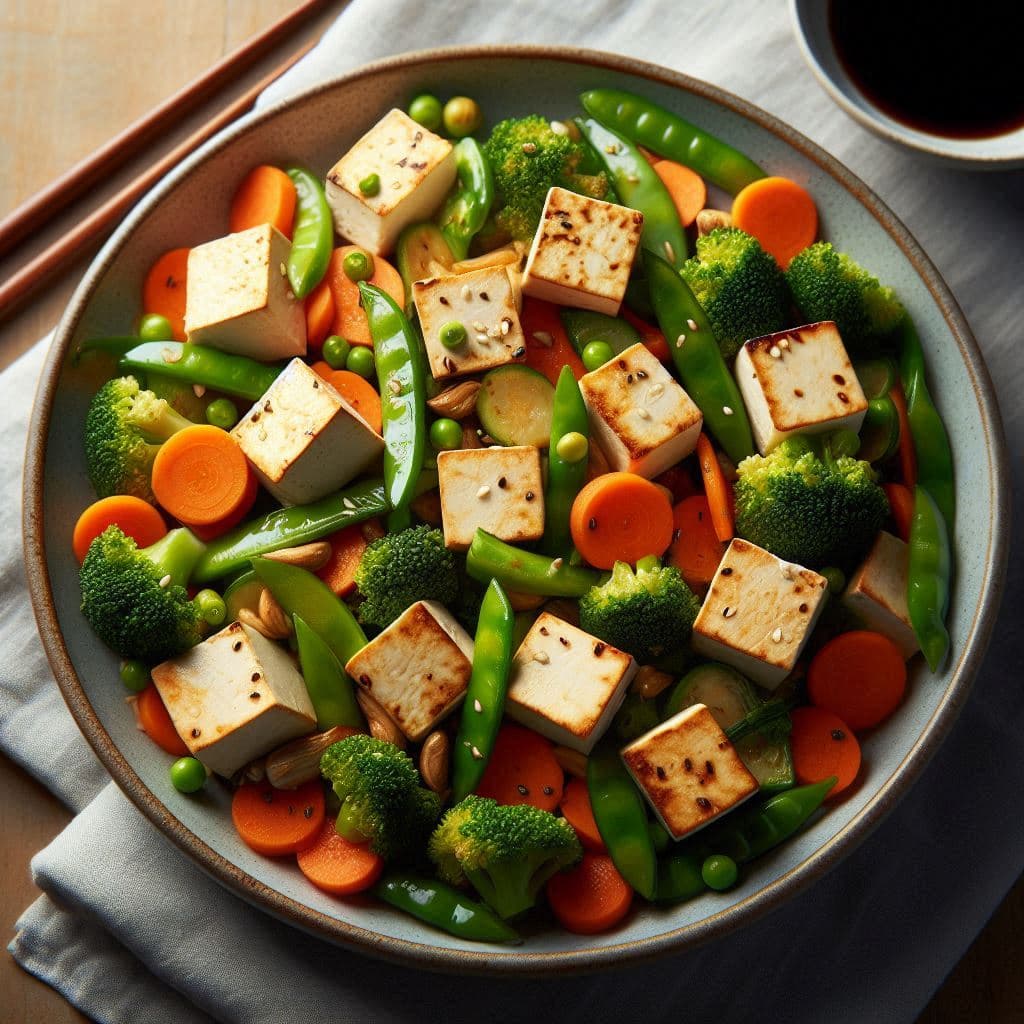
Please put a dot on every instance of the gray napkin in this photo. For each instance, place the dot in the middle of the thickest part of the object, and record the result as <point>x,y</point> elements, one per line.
<point>128,929</point>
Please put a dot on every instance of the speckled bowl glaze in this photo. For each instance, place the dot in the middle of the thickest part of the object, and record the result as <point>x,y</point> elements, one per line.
<point>190,206</point>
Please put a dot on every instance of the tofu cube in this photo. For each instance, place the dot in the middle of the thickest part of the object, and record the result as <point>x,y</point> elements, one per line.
<point>583,252</point>
<point>416,169</point>
<point>641,417</point>
<point>499,490</point>
<point>238,297</point>
<point>483,302</point>
<point>418,668</point>
<point>689,771</point>
<point>799,381</point>
<point>877,593</point>
<point>234,697</point>
<point>566,684</point>
<point>303,439</point>
<point>758,613</point>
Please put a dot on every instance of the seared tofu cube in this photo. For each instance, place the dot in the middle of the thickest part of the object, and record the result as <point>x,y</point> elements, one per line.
<point>499,490</point>
<point>758,613</point>
<point>877,593</point>
<point>303,439</point>
<point>234,697</point>
<point>799,381</point>
<point>238,298</point>
<point>416,168</point>
<point>481,301</point>
<point>566,684</point>
<point>643,420</point>
<point>583,252</point>
<point>689,771</point>
<point>417,669</point>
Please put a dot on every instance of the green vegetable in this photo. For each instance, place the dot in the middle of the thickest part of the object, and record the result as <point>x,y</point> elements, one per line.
<point>466,209</point>
<point>445,435</point>
<point>644,613</point>
<point>585,326</point>
<point>595,354</point>
<point>212,608</point>
<point>360,361</point>
<point>312,235</point>
<point>635,717</point>
<point>880,431</point>
<point>836,579</point>
<point>358,266</point>
<point>179,395</point>
<point>739,286</point>
<point>135,675</point>
<point>154,327</point>
<point>489,558</point>
<point>242,592</point>
<point>719,872</point>
<point>461,116</point>
<point>453,334</point>
<point>123,601</point>
<point>198,364</point>
<point>484,703</point>
<point>420,251</point>
<point>335,352</point>
<point>370,185</point>
<point>382,801</point>
<point>877,377</point>
<point>425,109</point>
<point>514,405</point>
<point>506,852</point>
<point>330,689</point>
<point>807,505</point>
<point>572,447</point>
<point>829,285</point>
<point>188,775</point>
<point>222,412</point>
<point>399,569</point>
<point>928,575</point>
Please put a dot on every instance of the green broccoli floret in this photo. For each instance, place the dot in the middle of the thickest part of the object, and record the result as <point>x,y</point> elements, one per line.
<point>527,159</point>
<point>129,601</point>
<point>506,852</point>
<point>645,613</point>
<point>382,801</point>
<point>123,431</point>
<point>809,501</point>
<point>399,569</point>
<point>738,285</point>
<point>829,285</point>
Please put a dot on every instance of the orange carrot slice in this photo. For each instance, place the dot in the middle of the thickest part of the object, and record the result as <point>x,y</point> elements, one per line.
<point>548,348</point>
<point>319,316</point>
<point>266,196</point>
<point>356,390</point>
<point>577,811</point>
<point>685,186</point>
<point>908,457</point>
<point>347,547</point>
<point>901,508</point>
<point>696,550</point>
<point>156,722</point>
<point>133,516</point>
<point>522,770</point>
<point>165,288</point>
<point>276,822</point>
<point>590,897</point>
<point>779,213</point>
<point>349,316</point>
<point>717,488</point>
<point>823,745</point>
<point>337,866</point>
<point>650,335</point>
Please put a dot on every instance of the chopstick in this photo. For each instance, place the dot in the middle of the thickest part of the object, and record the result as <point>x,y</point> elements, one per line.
<point>45,204</point>
<point>36,272</point>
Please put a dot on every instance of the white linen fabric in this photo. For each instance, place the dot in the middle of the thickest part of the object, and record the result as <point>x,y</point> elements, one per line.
<point>128,929</point>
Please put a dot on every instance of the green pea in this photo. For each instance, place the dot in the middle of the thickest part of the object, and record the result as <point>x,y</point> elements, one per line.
<point>360,360</point>
<point>572,447</point>
<point>596,354</point>
<point>370,185</point>
<point>719,872</point>
<point>446,435</point>
<point>844,442</point>
<point>453,334</point>
<point>222,412</point>
<point>836,579</point>
<point>335,352</point>
<point>426,110</point>
<point>154,327</point>
<point>134,675</point>
<point>188,775</point>
<point>462,116</point>
<point>211,607</point>
<point>358,266</point>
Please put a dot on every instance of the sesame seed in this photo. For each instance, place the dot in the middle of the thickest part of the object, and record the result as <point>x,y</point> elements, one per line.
<point>529,147</point>
<point>643,414</point>
<point>727,410</point>
<point>556,564</point>
<point>483,492</point>
<point>680,340</point>
<point>591,523</point>
<point>775,352</point>
<point>348,503</point>
<point>395,386</point>
<point>290,295</point>
<point>466,293</point>
<point>478,707</point>
<point>482,339</point>
<point>655,391</point>
<point>479,326</point>
<point>784,343</point>
<point>777,634</point>
<point>559,128</point>
<point>611,148</point>
<point>728,612</point>
<point>541,658</point>
<point>506,326</point>
<point>632,178</point>
<point>165,581</point>
<point>169,355</point>
<point>692,324</point>
<point>494,332</point>
<point>475,751</point>
<point>670,253</point>
<point>544,338</point>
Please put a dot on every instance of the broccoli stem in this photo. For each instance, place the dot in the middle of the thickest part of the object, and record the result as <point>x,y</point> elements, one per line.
<point>157,418</point>
<point>512,886</point>
<point>176,554</point>
<point>347,824</point>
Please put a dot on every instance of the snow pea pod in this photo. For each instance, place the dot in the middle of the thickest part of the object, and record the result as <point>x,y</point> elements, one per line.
<point>117,345</point>
<point>484,703</point>
<point>330,689</point>
<point>639,188</point>
<point>313,235</point>
<point>489,558</point>
<point>928,575</point>
<point>646,124</point>
<point>565,477</point>
<point>698,359</point>
<point>467,207</point>
<point>197,364</point>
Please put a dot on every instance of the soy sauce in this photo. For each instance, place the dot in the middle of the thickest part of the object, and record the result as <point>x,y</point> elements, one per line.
<point>935,67</point>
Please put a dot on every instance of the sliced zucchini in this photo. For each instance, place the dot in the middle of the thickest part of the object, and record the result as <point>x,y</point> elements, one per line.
<point>514,405</point>
<point>421,252</point>
<point>877,377</point>
<point>584,326</point>
<point>244,592</point>
<point>880,431</point>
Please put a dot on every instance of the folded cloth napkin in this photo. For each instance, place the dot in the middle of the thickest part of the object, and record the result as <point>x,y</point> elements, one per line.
<point>128,929</point>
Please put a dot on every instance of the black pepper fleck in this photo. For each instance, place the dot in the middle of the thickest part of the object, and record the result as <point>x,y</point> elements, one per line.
<point>704,803</point>
<point>364,679</point>
<point>255,677</point>
<point>592,523</point>
<point>543,630</point>
<point>838,735</point>
<point>307,811</point>
<point>255,695</point>
<point>237,645</point>
<point>687,764</point>
<point>502,482</point>
<point>727,571</point>
<point>548,791</point>
<point>523,791</point>
<point>661,773</point>
<point>709,768</point>
<point>599,649</point>
<point>530,495</point>
<point>195,734</point>
<point>485,297</point>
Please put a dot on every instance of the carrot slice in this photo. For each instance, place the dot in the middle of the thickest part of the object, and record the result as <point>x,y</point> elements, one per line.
<point>349,316</point>
<point>679,481</point>
<point>347,547</point>
<point>200,475</point>
<point>548,348</point>
<point>337,866</point>
<point>522,770</point>
<point>577,811</point>
<point>214,530</point>
<point>165,287</point>
<point>649,335</point>
<point>901,508</point>
<point>266,196</point>
<point>908,457</point>
<point>356,390</point>
<point>156,722</point>
<point>590,897</point>
<point>779,213</point>
<point>685,186</point>
<point>860,676</point>
<point>696,550</point>
<point>133,516</point>
<point>276,822</point>
<point>823,745</point>
<point>319,316</point>
<point>717,489</point>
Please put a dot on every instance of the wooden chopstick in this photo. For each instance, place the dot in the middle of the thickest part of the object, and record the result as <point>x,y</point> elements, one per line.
<point>39,270</point>
<point>30,216</point>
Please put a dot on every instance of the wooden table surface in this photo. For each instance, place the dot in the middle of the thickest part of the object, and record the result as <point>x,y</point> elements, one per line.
<point>72,73</point>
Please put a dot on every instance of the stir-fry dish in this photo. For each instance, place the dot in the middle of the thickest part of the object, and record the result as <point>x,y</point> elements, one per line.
<point>523,521</point>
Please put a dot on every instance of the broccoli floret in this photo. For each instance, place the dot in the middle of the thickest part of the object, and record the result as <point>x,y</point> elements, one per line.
<point>123,431</point>
<point>506,852</point>
<point>829,285</point>
<point>399,569</point>
<point>382,801</point>
<point>738,285</point>
<point>645,613</point>
<point>527,159</point>
<point>808,502</point>
<point>126,605</point>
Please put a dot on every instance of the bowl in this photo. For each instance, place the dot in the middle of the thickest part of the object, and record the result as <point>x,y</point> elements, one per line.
<point>811,24</point>
<point>191,205</point>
